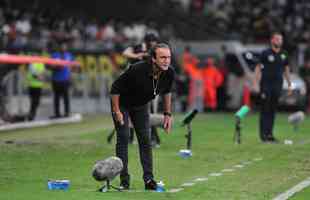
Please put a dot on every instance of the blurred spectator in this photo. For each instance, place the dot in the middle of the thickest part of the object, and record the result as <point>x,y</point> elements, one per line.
<point>141,51</point>
<point>195,91</point>
<point>36,80</point>
<point>61,77</point>
<point>182,88</point>
<point>252,22</point>
<point>212,80</point>
<point>222,90</point>
<point>108,31</point>
<point>235,81</point>
<point>304,72</point>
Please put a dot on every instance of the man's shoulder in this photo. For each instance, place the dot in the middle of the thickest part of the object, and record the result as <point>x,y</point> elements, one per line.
<point>284,52</point>
<point>267,51</point>
<point>170,72</point>
<point>171,69</point>
<point>139,66</point>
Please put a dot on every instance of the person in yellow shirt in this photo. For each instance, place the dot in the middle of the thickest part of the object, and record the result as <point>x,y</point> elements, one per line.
<point>35,78</point>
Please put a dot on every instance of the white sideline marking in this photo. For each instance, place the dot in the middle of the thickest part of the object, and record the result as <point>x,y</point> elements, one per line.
<point>300,186</point>
<point>201,179</point>
<point>257,159</point>
<point>228,170</point>
<point>174,190</point>
<point>215,174</point>
<point>22,125</point>
<point>189,184</point>
<point>135,191</point>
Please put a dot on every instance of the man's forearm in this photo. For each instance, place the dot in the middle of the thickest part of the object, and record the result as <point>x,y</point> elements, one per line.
<point>115,103</point>
<point>287,76</point>
<point>129,53</point>
<point>257,74</point>
<point>167,103</point>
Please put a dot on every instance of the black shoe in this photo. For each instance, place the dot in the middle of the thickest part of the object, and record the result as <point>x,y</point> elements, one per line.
<point>154,144</point>
<point>30,119</point>
<point>124,185</point>
<point>263,137</point>
<point>273,139</point>
<point>150,185</point>
<point>264,140</point>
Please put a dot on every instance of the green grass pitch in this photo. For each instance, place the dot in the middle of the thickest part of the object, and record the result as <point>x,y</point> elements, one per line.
<point>28,158</point>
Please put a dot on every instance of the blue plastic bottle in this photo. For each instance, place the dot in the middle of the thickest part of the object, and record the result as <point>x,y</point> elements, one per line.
<point>160,187</point>
<point>58,184</point>
<point>185,153</point>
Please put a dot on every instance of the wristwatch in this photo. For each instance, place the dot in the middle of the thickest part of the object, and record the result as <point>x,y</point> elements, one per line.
<point>114,113</point>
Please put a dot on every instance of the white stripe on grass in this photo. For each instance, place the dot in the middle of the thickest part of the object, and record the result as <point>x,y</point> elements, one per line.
<point>257,159</point>
<point>246,162</point>
<point>189,184</point>
<point>297,188</point>
<point>215,174</point>
<point>201,179</point>
<point>174,190</point>
<point>228,170</point>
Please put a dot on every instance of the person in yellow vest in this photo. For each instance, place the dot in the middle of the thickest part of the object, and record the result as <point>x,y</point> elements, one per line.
<point>35,79</point>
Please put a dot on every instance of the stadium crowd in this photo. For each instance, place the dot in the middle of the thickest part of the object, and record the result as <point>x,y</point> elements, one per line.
<point>23,26</point>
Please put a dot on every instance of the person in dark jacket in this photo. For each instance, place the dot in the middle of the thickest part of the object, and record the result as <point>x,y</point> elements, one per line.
<point>135,54</point>
<point>131,94</point>
<point>272,65</point>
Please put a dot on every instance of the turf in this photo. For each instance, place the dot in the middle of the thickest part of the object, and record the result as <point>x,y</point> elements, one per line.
<point>303,195</point>
<point>32,156</point>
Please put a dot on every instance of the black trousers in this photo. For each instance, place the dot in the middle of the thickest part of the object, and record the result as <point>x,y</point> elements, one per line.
<point>155,139</point>
<point>269,103</point>
<point>154,133</point>
<point>61,90</point>
<point>35,96</point>
<point>140,119</point>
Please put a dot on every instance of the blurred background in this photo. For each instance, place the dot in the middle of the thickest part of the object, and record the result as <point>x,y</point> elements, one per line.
<point>214,43</point>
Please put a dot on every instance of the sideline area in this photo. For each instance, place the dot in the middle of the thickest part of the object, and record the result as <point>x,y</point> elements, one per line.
<point>75,118</point>
<point>297,188</point>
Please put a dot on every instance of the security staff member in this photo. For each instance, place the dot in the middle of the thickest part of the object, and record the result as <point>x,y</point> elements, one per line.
<point>273,63</point>
<point>35,78</point>
<point>130,95</point>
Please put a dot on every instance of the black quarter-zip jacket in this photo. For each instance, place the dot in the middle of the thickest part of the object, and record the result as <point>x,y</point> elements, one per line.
<point>136,85</point>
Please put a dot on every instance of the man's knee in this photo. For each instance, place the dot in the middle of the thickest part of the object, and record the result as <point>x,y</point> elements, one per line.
<point>144,135</point>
